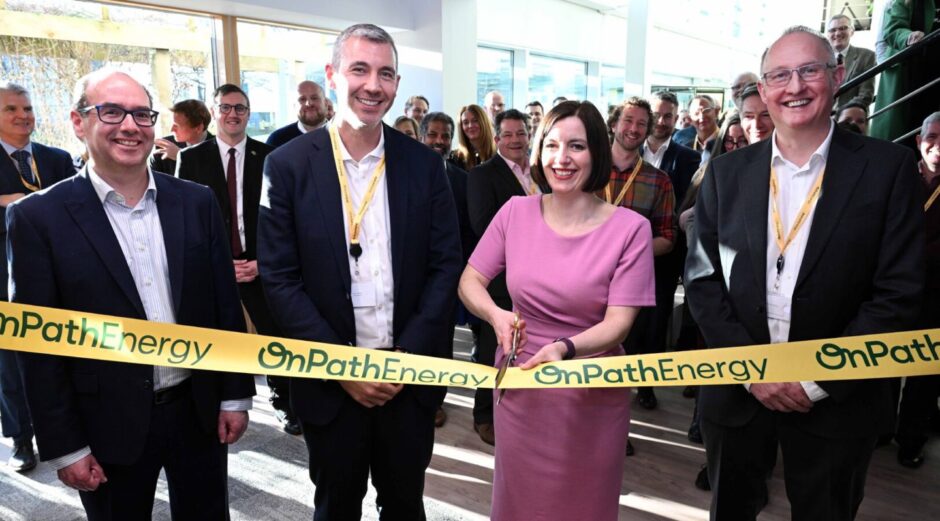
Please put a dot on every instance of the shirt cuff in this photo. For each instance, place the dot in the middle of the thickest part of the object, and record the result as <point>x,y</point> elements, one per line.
<point>64,461</point>
<point>814,391</point>
<point>747,387</point>
<point>236,405</point>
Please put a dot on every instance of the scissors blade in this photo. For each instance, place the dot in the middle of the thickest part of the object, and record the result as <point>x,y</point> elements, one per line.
<point>510,359</point>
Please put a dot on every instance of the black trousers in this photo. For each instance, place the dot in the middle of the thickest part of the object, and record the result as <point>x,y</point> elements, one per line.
<point>824,477</point>
<point>196,466</point>
<point>393,442</point>
<point>252,295</point>
<point>919,402</point>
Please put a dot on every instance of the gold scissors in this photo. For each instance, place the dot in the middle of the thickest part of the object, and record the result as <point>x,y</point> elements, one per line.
<point>510,359</point>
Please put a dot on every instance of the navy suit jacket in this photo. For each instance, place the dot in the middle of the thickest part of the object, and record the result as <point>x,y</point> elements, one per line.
<point>64,254</point>
<point>53,164</point>
<point>862,271</point>
<point>304,260</point>
<point>284,134</point>
<point>680,162</point>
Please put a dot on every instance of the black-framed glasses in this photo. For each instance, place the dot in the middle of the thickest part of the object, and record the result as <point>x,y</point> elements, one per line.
<point>737,143</point>
<point>114,115</point>
<point>240,109</point>
<point>808,72</point>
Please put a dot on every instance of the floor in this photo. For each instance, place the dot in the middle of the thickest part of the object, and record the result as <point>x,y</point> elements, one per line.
<point>268,478</point>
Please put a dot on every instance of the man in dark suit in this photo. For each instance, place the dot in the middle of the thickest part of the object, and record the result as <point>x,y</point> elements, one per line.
<point>191,120</point>
<point>379,272</point>
<point>311,114</point>
<point>489,186</point>
<point>232,165</point>
<point>437,132</point>
<point>101,242</point>
<point>755,275</point>
<point>856,60</point>
<point>25,167</point>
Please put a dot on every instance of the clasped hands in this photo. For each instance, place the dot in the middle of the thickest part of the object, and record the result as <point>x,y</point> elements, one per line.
<point>782,397</point>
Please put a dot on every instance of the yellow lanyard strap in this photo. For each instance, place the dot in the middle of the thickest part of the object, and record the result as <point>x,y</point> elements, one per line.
<point>355,220</point>
<point>623,191</point>
<point>933,197</point>
<point>811,198</point>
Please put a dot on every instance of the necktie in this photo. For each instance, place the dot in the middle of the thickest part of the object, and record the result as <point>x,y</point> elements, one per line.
<point>231,176</point>
<point>22,162</point>
<point>840,59</point>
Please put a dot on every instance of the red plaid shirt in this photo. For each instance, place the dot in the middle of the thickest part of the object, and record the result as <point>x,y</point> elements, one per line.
<point>651,195</point>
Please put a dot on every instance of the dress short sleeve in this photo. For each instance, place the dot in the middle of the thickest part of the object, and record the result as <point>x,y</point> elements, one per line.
<point>633,282</point>
<point>489,257</point>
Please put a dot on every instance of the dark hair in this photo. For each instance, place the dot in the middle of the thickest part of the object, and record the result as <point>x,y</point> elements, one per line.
<point>511,114</point>
<point>436,116</point>
<point>850,105</point>
<point>194,112</point>
<point>636,101</point>
<point>535,103</point>
<point>370,32</point>
<point>598,145</point>
<point>400,119</point>
<point>410,102</point>
<point>668,97</point>
<point>849,126</point>
<point>229,88</point>
<point>750,90</point>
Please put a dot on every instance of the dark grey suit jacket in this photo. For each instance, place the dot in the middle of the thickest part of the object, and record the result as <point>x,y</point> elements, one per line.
<point>857,61</point>
<point>862,272</point>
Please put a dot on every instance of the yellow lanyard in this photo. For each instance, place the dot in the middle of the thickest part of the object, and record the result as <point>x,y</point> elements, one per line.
<point>32,187</point>
<point>354,219</point>
<point>623,191</point>
<point>933,197</point>
<point>811,198</point>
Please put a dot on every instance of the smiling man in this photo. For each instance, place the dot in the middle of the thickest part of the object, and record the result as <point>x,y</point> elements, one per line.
<point>855,60</point>
<point>118,239</point>
<point>776,226</point>
<point>311,114</point>
<point>358,245</point>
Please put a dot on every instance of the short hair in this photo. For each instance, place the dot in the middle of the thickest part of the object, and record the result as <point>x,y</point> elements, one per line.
<point>750,90</point>
<point>511,114</point>
<point>431,117</point>
<point>929,120</point>
<point>414,124</point>
<point>598,144</point>
<point>410,102</point>
<point>850,105</point>
<point>193,111</point>
<point>535,103</point>
<point>823,43</point>
<point>230,88</point>
<point>636,101</point>
<point>373,33</point>
<point>850,127</point>
<point>841,15</point>
<point>13,88</point>
<point>80,93</point>
<point>705,97</point>
<point>667,96</point>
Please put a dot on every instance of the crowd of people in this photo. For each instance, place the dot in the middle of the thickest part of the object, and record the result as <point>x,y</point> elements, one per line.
<point>554,232</point>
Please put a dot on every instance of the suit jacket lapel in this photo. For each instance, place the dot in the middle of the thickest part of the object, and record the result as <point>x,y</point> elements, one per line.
<point>507,177</point>
<point>396,183</point>
<point>330,202</point>
<point>843,170</point>
<point>90,217</point>
<point>170,209</point>
<point>754,181</point>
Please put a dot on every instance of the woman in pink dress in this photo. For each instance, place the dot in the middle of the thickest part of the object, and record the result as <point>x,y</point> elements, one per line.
<point>578,270</point>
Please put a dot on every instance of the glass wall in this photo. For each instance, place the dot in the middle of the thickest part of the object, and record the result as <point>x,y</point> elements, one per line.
<point>551,77</point>
<point>174,55</point>
<point>494,72</point>
<point>612,80</point>
<point>273,60</point>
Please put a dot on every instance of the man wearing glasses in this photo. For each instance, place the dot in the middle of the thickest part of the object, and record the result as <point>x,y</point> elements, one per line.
<point>814,233</point>
<point>120,240</point>
<point>231,165</point>
<point>856,60</point>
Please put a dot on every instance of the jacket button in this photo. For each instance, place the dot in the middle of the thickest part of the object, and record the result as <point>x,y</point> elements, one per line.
<point>147,385</point>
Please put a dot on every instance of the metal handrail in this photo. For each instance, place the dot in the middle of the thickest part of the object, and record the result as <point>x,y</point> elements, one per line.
<point>897,58</point>
<point>906,97</point>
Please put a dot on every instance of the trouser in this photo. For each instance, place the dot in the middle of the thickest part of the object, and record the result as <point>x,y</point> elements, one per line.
<point>14,414</point>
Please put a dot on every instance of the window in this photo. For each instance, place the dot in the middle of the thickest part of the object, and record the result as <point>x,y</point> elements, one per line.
<point>494,72</point>
<point>552,77</point>
<point>273,60</point>
<point>612,80</point>
<point>174,56</point>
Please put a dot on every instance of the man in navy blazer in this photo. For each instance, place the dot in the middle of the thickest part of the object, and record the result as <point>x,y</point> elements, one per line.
<point>311,114</point>
<point>390,287</point>
<point>25,166</point>
<point>119,240</point>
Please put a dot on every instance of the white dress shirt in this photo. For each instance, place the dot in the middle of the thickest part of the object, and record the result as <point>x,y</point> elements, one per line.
<point>239,180</point>
<point>522,174</point>
<point>794,183</point>
<point>655,158</point>
<point>372,284</point>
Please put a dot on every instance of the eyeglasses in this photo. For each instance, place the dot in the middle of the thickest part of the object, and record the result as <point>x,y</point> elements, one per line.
<point>114,115</point>
<point>240,109</point>
<point>842,28</point>
<point>737,143</point>
<point>808,72</point>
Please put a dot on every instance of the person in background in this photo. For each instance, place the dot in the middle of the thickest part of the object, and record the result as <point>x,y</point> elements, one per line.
<point>560,451</point>
<point>406,126</point>
<point>743,81</point>
<point>416,107</point>
<point>494,104</point>
<point>854,113</point>
<point>856,60</point>
<point>475,141</point>
<point>191,120</point>
<point>311,114</point>
<point>535,111</point>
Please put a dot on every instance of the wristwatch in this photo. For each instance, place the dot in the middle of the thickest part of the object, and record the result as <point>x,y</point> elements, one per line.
<point>568,344</point>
